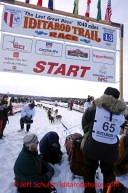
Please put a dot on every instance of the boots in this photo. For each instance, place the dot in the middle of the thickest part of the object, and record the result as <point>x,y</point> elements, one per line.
<point>27,127</point>
<point>89,181</point>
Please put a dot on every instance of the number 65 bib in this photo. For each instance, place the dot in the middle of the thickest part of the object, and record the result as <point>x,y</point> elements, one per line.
<point>104,130</point>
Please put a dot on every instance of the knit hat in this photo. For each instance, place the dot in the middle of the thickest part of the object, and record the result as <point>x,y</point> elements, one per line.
<point>30,140</point>
<point>112,91</point>
<point>126,124</point>
<point>5,96</point>
<point>32,105</point>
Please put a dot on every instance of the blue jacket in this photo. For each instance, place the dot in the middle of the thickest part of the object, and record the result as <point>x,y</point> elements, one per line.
<point>50,147</point>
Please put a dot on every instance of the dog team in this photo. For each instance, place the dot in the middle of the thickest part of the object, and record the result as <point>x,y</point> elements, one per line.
<point>52,115</point>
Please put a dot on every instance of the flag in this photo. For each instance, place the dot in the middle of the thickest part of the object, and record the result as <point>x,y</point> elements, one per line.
<point>26,1</point>
<point>99,17</point>
<point>50,4</point>
<point>108,11</point>
<point>76,5</point>
<point>87,14</point>
<point>39,3</point>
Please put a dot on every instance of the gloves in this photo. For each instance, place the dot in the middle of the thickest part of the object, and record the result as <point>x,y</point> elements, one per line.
<point>50,169</point>
<point>49,175</point>
<point>120,167</point>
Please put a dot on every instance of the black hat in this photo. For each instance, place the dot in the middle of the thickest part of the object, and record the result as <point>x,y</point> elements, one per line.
<point>112,91</point>
<point>32,105</point>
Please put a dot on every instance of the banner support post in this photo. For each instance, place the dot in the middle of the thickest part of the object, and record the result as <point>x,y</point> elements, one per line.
<point>121,61</point>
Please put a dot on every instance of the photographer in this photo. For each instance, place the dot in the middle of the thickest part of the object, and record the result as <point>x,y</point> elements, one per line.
<point>27,115</point>
<point>88,102</point>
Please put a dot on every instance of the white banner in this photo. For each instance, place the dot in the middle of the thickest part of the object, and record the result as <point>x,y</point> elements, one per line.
<point>50,26</point>
<point>48,58</point>
<point>17,107</point>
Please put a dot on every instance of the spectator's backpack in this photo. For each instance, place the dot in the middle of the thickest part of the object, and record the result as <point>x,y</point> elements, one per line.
<point>76,158</point>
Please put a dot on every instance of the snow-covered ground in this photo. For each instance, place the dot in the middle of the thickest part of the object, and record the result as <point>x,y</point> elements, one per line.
<point>12,145</point>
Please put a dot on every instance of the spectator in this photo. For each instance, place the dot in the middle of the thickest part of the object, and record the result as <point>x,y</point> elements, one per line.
<point>56,103</point>
<point>121,165</point>
<point>122,126</point>
<point>4,109</point>
<point>50,148</point>
<point>30,169</point>
<point>88,102</point>
<point>71,105</point>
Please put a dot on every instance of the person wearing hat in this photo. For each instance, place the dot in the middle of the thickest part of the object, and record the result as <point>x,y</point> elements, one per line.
<point>50,148</point>
<point>31,172</point>
<point>88,102</point>
<point>121,165</point>
<point>4,109</point>
<point>27,114</point>
<point>102,123</point>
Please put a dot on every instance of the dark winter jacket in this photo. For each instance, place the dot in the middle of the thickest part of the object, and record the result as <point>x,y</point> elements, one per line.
<point>92,148</point>
<point>28,167</point>
<point>50,147</point>
<point>4,109</point>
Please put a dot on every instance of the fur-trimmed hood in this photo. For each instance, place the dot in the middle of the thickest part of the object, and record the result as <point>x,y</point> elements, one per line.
<point>111,104</point>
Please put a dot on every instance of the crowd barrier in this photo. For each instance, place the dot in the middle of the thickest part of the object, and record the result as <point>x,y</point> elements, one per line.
<point>17,107</point>
<point>65,105</point>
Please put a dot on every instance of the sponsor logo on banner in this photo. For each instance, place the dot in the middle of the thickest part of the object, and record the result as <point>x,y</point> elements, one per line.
<point>77,53</point>
<point>10,70</point>
<point>14,67</point>
<point>16,54</point>
<point>12,17</point>
<point>102,79</point>
<point>14,43</point>
<point>48,52</point>
<point>103,57</point>
<point>48,48</point>
<point>103,70</point>
<point>48,45</point>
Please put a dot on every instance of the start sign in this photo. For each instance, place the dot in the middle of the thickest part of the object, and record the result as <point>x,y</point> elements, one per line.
<point>62,69</point>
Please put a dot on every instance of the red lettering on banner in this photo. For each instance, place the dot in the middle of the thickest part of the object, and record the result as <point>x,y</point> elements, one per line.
<point>84,69</point>
<point>101,79</point>
<point>34,23</point>
<point>61,69</point>
<point>52,65</point>
<point>63,36</point>
<point>72,69</point>
<point>39,65</point>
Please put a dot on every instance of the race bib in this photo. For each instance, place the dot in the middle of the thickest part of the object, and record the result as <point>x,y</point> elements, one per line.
<point>104,130</point>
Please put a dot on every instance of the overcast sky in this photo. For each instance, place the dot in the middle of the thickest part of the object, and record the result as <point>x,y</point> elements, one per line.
<point>46,86</point>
